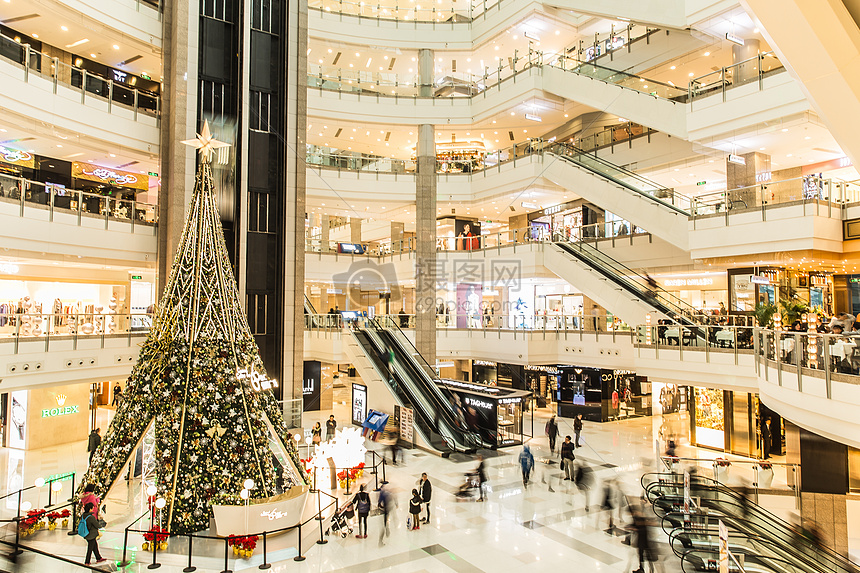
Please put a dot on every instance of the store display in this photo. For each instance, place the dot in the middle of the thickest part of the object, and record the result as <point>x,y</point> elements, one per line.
<point>200,381</point>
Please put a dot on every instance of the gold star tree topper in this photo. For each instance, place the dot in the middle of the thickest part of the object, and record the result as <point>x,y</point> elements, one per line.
<point>206,143</point>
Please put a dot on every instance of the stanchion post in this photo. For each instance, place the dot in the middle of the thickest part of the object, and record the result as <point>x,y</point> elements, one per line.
<point>154,565</point>
<point>18,528</point>
<point>226,556</point>
<point>265,564</point>
<point>375,477</point>
<point>347,482</point>
<point>322,540</point>
<point>74,520</point>
<point>299,557</point>
<point>384,481</point>
<point>73,487</point>
<point>124,561</point>
<point>190,567</point>
<point>373,453</point>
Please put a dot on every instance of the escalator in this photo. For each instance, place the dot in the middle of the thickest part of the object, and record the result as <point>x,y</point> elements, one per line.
<point>632,295</point>
<point>661,210</point>
<point>755,531</point>
<point>414,384</point>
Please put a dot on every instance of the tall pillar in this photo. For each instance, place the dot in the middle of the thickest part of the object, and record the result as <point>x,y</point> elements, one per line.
<point>355,230</point>
<point>293,246</point>
<point>823,484</point>
<point>324,233</point>
<point>178,122</point>
<point>748,70</point>
<point>426,74</point>
<point>425,244</point>
<point>741,178</point>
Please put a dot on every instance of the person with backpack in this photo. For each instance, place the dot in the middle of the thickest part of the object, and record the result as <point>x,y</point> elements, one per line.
<point>527,463</point>
<point>552,432</point>
<point>91,498</point>
<point>415,510</point>
<point>88,528</point>
<point>361,502</point>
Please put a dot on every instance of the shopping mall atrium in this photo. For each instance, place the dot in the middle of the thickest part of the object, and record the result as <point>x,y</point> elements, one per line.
<point>326,285</point>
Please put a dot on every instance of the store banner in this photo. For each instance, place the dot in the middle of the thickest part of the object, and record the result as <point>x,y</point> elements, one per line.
<point>311,385</point>
<point>110,176</point>
<point>359,403</point>
<point>16,157</point>
<point>406,424</point>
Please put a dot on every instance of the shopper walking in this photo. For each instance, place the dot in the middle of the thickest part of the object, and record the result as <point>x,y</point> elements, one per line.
<point>766,439</point>
<point>117,395</point>
<point>577,428</point>
<point>415,510</point>
<point>330,428</point>
<point>426,494</point>
<point>527,464</point>
<point>93,443</point>
<point>567,458</point>
<point>481,471</point>
<point>552,432</point>
<point>316,434</point>
<point>91,498</point>
<point>386,504</point>
<point>643,542</point>
<point>88,528</point>
<point>361,503</point>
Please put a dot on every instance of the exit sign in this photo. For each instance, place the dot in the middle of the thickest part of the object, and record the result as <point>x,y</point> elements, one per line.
<point>153,174</point>
<point>136,277</point>
<point>702,183</point>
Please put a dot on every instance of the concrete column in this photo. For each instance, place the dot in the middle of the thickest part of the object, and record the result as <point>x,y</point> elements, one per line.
<point>355,230</point>
<point>747,71</point>
<point>324,233</point>
<point>426,73</point>
<point>292,287</point>
<point>397,236</point>
<point>741,179</point>
<point>178,122</point>
<point>425,240</point>
<point>823,484</point>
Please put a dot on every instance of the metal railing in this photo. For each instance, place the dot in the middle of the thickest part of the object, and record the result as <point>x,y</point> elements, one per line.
<point>441,12</point>
<point>35,64</point>
<point>52,198</point>
<point>753,70</point>
<point>18,327</point>
<point>759,474</point>
<point>808,356</point>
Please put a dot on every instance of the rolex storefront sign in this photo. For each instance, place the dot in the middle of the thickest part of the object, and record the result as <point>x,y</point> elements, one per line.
<point>48,417</point>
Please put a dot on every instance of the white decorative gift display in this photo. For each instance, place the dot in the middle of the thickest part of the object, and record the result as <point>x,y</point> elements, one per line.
<point>346,450</point>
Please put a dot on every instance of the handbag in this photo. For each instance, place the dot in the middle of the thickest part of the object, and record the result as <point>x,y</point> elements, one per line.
<point>561,465</point>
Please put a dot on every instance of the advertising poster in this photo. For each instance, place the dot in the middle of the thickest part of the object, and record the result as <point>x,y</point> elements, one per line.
<point>469,299</point>
<point>311,385</point>
<point>18,418</point>
<point>468,235</point>
<point>359,404</point>
<point>406,424</point>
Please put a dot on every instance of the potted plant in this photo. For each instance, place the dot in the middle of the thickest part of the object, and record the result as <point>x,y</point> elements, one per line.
<point>52,520</point>
<point>763,314</point>
<point>721,470</point>
<point>156,537</point>
<point>764,474</point>
<point>64,515</point>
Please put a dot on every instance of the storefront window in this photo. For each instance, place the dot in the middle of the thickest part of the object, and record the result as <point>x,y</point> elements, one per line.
<point>710,418</point>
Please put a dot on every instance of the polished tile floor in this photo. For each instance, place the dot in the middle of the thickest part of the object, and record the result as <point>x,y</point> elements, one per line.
<point>539,527</point>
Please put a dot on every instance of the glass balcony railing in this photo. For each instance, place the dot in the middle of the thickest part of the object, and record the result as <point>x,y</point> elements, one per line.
<point>753,70</point>
<point>17,326</point>
<point>27,195</point>
<point>35,64</point>
<point>441,12</point>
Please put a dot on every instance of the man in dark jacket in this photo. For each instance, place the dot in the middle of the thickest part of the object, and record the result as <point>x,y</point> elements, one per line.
<point>552,432</point>
<point>93,443</point>
<point>330,428</point>
<point>567,458</point>
<point>482,476</point>
<point>92,535</point>
<point>577,428</point>
<point>426,492</point>
<point>766,439</point>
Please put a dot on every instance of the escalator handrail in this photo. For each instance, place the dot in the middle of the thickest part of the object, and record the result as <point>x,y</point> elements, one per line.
<point>443,409</point>
<point>433,384</point>
<point>399,389</point>
<point>775,522</point>
<point>431,398</point>
<point>619,273</point>
<point>577,156</point>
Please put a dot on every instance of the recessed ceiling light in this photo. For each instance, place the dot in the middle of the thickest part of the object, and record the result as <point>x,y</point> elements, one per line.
<point>115,47</point>
<point>672,68</point>
<point>64,29</point>
<point>707,54</point>
<point>35,36</point>
<point>92,55</point>
<point>784,129</point>
<point>690,74</point>
<point>58,145</point>
<point>755,31</point>
<point>807,137</point>
<point>761,148</point>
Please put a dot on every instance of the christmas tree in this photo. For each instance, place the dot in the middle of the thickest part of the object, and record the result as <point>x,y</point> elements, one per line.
<point>200,381</point>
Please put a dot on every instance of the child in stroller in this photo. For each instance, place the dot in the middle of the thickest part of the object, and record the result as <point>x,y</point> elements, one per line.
<point>340,521</point>
<point>469,487</point>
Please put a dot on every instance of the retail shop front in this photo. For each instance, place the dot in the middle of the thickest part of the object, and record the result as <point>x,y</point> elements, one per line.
<point>48,417</point>
<point>751,286</point>
<point>496,413</point>
<point>601,394</point>
<point>732,422</point>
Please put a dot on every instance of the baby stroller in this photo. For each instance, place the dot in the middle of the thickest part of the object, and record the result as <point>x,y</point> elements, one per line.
<point>470,485</point>
<point>340,521</point>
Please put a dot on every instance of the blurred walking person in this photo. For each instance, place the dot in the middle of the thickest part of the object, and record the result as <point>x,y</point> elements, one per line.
<point>567,458</point>
<point>552,432</point>
<point>527,464</point>
<point>386,505</point>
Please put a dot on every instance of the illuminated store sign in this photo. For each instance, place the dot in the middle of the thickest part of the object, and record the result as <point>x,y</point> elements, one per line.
<point>16,157</point>
<point>755,279</point>
<point>109,176</point>
<point>61,410</point>
<point>737,159</point>
<point>688,282</point>
<point>478,403</point>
